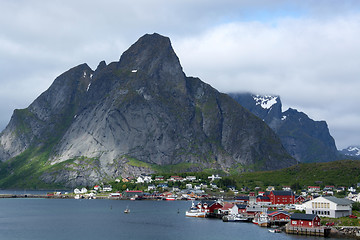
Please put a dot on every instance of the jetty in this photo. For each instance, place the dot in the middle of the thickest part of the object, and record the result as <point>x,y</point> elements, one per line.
<point>315,231</point>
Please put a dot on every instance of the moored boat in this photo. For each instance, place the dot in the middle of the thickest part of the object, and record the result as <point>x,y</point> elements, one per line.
<point>261,219</point>
<point>197,211</point>
<point>234,218</point>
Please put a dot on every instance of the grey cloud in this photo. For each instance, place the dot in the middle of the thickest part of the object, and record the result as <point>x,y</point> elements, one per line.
<point>305,51</point>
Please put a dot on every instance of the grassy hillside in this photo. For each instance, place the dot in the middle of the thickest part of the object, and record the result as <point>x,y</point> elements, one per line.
<point>338,173</point>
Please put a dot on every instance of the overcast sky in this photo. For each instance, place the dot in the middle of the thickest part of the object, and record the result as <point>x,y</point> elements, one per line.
<point>308,52</point>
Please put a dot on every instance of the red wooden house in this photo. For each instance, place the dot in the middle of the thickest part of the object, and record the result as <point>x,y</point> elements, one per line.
<point>213,206</point>
<point>304,220</point>
<point>241,208</point>
<point>282,197</point>
<point>279,216</point>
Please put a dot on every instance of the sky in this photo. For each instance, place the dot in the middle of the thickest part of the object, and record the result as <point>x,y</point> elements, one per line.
<point>305,51</point>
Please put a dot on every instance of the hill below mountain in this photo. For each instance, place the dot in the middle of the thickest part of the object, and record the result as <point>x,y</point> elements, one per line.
<point>305,139</point>
<point>338,173</point>
<point>130,117</point>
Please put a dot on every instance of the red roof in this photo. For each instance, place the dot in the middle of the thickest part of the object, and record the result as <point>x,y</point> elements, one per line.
<point>134,191</point>
<point>227,206</point>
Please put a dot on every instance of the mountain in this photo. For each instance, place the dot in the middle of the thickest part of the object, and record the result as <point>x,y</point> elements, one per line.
<point>352,152</point>
<point>141,114</point>
<point>305,139</point>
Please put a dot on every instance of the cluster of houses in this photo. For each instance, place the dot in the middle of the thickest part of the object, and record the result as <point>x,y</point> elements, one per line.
<point>273,209</point>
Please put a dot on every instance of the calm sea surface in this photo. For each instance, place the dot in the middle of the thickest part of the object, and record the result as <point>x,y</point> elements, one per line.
<point>105,219</point>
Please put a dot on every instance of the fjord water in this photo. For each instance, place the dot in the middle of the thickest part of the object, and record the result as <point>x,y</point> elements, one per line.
<point>105,219</point>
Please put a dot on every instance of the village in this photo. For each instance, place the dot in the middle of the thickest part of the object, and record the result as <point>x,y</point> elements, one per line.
<point>312,211</point>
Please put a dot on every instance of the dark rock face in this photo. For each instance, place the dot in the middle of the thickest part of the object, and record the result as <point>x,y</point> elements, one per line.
<point>144,108</point>
<point>305,139</point>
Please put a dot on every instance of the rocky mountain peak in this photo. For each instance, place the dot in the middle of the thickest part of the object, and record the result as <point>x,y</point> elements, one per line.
<point>152,54</point>
<point>136,115</point>
<point>305,139</point>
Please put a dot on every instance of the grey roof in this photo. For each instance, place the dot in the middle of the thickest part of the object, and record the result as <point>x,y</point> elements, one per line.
<point>302,216</point>
<point>340,201</point>
<point>241,206</point>
<point>282,193</point>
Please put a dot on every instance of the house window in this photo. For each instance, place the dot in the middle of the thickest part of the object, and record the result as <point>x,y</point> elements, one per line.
<point>309,223</point>
<point>327,205</point>
<point>313,205</point>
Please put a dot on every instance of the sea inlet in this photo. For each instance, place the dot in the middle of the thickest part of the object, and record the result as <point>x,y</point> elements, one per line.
<point>40,218</point>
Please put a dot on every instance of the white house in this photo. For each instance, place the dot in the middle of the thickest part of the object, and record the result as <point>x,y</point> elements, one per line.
<point>312,189</point>
<point>144,179</point>
<point>214,177</point>
<point>140,179</point>
<point>351,189</point>
<point>286,188</point>
<point>190,178</point>
<point>107,188</point>
<point>329,206</point>
<point>188,186</point>
<point>82,191</point>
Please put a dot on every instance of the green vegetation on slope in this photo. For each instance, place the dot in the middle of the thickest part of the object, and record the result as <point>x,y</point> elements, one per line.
<point>338,173</point>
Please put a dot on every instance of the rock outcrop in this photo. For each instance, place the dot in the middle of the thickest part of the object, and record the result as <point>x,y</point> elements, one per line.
<point>305,139</point>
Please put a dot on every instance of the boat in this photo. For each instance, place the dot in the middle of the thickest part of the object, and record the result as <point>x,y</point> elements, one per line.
<point>170,198</point>
<point>127,210</point>
<point>275,230</point>
<point>261,219</point>
<point>197,211</point>
<point>234,218</point>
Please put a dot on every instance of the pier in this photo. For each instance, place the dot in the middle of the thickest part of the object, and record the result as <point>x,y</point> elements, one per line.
<point>315,231</point>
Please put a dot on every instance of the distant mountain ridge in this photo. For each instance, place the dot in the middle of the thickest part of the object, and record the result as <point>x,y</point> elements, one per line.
<point>352,151</point>
<point>305,139</point>
<point>134,116</point>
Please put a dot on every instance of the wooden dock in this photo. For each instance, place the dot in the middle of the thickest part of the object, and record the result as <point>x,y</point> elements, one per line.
<point>309,231</point>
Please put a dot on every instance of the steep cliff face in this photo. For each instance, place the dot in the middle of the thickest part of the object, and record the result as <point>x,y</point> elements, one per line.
<point>305,139</point>
<point>133,116</point>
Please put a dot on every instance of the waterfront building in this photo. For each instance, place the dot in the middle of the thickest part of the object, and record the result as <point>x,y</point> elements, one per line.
<point>279,216</point>
<point>329,206</point>
<point>304,220</point>
<point>132,193</point>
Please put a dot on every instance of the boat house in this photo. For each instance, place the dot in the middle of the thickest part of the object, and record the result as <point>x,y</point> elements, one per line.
<point>304,220</point>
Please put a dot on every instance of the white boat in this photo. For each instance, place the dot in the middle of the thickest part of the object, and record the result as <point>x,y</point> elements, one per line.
<point>261,219</point>
<point>234,218</point>
<point>197,211</point>
<point>170,198</point>
<point>127,210</point>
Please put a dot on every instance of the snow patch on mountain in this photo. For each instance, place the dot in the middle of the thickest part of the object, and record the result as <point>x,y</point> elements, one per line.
<point>352,151</point>
<point>266,101</point>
